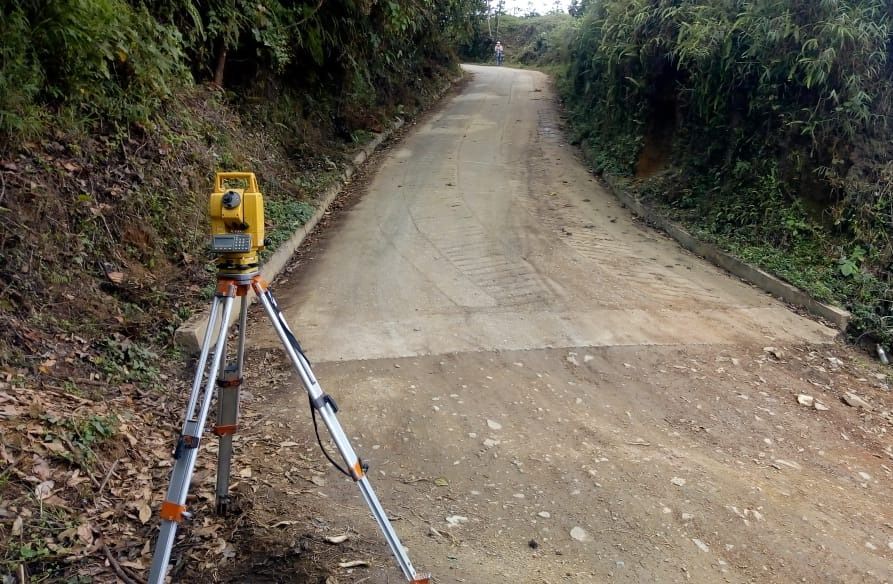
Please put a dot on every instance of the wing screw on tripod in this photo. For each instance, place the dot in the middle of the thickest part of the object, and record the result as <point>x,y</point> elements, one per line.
<point>237,234</point>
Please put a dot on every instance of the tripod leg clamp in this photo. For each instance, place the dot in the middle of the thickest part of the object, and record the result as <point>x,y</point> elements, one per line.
<point>230,381</point>
<point>320,402</point>
<point>185,442</point>
<point>358,470</point>
<point>172,512</point>
<point>226,430</point>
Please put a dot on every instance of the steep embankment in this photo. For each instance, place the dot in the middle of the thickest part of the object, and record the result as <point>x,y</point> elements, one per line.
<point>113,117</point>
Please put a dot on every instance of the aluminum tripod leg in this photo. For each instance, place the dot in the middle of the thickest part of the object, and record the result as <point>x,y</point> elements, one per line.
<point>229,382</point>
<point>173,509</point>
<point>324,405</point>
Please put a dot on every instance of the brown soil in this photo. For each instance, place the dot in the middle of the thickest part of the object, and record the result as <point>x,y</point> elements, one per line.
<point>766,482</point>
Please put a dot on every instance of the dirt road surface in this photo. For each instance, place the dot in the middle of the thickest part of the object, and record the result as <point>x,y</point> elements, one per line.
<point>547,391</point>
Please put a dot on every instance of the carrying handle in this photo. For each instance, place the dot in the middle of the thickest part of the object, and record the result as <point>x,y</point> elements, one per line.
<point>248,177</point>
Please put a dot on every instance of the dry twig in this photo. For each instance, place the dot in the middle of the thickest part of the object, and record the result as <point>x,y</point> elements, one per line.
<point>107,476</point>
<point>119,571</point>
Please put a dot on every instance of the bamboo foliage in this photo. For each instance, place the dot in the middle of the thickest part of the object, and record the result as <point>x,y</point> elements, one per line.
<point>780,113</point>
<point>117,60</point>
<point>823,60</point>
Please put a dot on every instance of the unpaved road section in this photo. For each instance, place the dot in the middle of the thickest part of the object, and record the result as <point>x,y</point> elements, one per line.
<point>549,392</point>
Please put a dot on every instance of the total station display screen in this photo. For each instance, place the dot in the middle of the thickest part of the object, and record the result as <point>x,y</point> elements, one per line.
<point>231,243</point>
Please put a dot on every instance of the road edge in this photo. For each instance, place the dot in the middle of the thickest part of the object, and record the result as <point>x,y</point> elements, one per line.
<point>190,334</point>
<point>735,266</point>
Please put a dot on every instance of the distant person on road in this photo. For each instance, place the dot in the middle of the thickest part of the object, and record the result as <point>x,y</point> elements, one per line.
<point>500,53</point>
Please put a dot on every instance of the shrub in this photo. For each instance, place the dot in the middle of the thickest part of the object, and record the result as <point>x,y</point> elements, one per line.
<point>103,58</point>
<point>774,117</point>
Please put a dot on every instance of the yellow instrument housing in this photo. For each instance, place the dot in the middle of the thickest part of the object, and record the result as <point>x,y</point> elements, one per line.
<point>246,218</point>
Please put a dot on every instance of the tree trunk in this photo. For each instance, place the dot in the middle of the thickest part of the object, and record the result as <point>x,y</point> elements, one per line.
<point>221,64</point>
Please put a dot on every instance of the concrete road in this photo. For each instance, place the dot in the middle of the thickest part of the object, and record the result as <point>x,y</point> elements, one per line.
<point>550,392</point>
<point>483,231</point>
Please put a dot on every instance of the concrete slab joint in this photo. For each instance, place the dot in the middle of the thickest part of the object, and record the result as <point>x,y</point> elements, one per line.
<point>190,334</point>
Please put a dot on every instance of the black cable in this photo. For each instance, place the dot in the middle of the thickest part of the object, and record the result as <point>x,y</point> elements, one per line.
<point>297,347</point>
<point>319,441</point>
<point>291,336</point>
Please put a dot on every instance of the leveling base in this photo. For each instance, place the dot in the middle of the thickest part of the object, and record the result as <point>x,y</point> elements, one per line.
<point>227,376</point>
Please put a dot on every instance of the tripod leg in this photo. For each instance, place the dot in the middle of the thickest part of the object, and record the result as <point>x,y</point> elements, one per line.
<point>173,509</point>
<point>326,408</point>
<point>230,383</point>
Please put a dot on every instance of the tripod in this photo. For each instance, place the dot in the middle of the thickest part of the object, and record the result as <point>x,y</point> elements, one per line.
<point>232,284</point>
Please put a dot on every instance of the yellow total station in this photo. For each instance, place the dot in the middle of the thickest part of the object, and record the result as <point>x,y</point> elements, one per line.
<point>236,209</point>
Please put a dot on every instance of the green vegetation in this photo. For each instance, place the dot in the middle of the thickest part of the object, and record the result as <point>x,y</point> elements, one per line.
<point>83,435</point>
<point>105,58</point>
<point>114,114</point>
<point>122,359</point>
<point>287,216</point>
<point>117,61</point>
<point>530,40</point>
<point>763,126</point>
